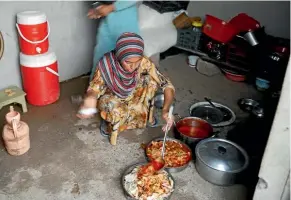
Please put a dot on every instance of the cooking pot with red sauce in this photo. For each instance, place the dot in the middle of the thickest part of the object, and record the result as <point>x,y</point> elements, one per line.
<point>192,129</point>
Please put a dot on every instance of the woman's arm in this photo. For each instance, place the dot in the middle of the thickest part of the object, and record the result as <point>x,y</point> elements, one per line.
<point>96,89</point>
<point>104,10</point>
<point>97,86</point>
<point>165,84</point>
<point>169,94</point>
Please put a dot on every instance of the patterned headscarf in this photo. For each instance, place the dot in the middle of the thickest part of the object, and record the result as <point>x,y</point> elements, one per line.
<point>121,82</point>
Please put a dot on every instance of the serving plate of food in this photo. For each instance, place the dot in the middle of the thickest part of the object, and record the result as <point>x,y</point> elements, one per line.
<point>177,154</point>
<point>157,186</point>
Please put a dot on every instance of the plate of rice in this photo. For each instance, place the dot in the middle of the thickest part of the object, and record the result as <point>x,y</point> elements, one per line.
<point>157,186</point>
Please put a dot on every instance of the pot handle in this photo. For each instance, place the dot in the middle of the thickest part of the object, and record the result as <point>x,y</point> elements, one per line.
<point>240,37</point>
<point>176,114</point>
<point>14,128</point>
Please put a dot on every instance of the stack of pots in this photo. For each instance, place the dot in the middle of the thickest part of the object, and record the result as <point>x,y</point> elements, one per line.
<point>39,66</point>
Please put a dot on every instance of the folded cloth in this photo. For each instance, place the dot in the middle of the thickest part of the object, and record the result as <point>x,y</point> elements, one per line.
<point>88,111</point>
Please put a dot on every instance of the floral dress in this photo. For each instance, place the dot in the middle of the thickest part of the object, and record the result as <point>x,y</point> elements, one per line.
<point>134,111</point>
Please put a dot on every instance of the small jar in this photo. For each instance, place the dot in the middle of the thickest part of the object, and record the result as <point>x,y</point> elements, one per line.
<point>197,25</point>
<point>197,29</point>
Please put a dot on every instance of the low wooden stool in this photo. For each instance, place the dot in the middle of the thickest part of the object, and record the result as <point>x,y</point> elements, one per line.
<point>13,94</point>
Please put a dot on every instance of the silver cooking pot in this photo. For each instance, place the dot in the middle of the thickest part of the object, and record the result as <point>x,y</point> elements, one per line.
<point>220,161</point>
<point>250,37</point>
<point>253,36</point>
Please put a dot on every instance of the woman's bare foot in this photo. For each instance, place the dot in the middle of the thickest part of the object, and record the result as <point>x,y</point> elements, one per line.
<point>89,104</point>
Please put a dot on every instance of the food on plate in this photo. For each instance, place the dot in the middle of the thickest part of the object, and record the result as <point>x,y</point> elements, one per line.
<point>146,170</point>
<point>151,167</point>
<point>176,154</point>
<point>157,186</point>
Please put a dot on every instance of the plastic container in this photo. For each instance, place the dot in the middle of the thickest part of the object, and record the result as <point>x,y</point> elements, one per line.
<point>188,39</point>
<point>262,84</point>
<point>218,29</point>
<point>244,23</point>
<point>197,28</point>
<point>192,61</point>
<point>167,6</point>
<point>197,25</point>
<point>40,78</point>
<point>33,31</point>
<point>15,134</point>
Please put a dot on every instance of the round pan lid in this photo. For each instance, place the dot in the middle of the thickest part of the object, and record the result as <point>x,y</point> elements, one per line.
<point>222,155</point>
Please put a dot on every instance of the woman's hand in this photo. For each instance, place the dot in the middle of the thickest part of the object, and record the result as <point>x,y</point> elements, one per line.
<point>105,10</point>
<point>92,14</point>
<point>169,121</point>
<point>168,96</point>
<point>90,102</point>
<point>100,11</point>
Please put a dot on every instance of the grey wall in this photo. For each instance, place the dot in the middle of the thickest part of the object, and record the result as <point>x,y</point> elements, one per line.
<point>72,38</point>
<point>275,16</point>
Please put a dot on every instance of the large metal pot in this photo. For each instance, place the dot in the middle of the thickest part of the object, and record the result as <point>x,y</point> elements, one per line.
<point>201,110</point>
<point>253,36</point>
<point>195,125</point>
<point>220,161</point>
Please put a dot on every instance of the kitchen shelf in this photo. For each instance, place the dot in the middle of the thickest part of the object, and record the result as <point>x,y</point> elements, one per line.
<point>205,57</point>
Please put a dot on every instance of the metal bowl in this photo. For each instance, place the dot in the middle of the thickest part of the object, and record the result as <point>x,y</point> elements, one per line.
<point>129,169</point>
<point>258,112</point>
<point>159,100</point>
<point>171,169</point>
<point>247,104</point>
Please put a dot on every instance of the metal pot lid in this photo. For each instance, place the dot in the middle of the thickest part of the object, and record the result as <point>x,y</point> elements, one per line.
<point>222,155</point>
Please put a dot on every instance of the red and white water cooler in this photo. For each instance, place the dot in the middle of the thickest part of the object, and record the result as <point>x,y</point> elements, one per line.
<point>33,32</point>
<point>39,66</point>
<point>40,78</point>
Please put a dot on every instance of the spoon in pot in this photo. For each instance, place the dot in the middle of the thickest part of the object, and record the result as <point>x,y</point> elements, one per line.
<point>157,164</point>
<point>166,132</point>
<point>210,102</point>
<point>219,113</point>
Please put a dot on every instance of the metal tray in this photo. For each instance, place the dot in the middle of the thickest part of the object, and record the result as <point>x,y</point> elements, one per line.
<point>171,169</point>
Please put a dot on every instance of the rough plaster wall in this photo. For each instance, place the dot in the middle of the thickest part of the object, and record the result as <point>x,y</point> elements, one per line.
<point>72,38</point>
<point>274,15</point>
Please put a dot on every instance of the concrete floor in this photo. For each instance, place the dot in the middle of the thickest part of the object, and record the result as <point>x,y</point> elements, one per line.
<point>69,159</point>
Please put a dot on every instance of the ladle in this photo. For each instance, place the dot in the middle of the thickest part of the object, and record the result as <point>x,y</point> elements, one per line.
<point>158,164</point>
